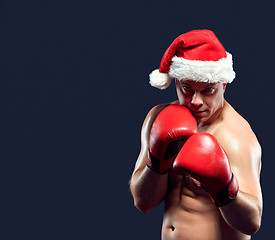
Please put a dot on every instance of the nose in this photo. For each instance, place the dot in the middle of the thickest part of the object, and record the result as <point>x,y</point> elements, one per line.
<point>197,100</point>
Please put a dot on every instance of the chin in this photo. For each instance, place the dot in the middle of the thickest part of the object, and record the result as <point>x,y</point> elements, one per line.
<point>201,120</point>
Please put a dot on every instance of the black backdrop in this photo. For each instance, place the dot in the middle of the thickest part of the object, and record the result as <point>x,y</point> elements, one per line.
<point>74,92</point>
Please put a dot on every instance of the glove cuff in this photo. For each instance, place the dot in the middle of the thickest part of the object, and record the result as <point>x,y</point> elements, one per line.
<point>228,194</point>
<point>156,165</point>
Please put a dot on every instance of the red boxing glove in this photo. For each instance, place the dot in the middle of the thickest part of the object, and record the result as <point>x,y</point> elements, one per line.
<point>203,158</point>
<point>173,123</point>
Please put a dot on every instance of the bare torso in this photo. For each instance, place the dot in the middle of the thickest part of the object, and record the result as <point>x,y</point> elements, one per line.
<point>189,212</point>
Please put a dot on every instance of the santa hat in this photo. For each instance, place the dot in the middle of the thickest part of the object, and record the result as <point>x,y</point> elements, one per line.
<point>197,55</point>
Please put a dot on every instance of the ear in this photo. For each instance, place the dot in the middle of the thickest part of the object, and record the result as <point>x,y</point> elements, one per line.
<point>224,86</point>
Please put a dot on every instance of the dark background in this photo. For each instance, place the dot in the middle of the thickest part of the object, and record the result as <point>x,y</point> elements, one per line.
<point>74,92</point>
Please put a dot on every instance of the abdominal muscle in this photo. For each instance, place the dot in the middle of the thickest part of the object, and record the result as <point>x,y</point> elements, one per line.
<point>191,215</point>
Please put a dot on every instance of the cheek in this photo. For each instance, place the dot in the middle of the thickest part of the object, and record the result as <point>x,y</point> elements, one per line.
<point>210,102</point>
<point>183,100</point>
<point>214,103</point>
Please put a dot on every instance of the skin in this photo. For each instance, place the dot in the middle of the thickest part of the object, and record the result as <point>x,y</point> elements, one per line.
<point>189,212</point>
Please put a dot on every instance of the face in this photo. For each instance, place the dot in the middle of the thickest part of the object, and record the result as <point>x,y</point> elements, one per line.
<point>205,100</point>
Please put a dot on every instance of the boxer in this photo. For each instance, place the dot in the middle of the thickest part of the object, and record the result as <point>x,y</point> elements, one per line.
<point>198,154</point>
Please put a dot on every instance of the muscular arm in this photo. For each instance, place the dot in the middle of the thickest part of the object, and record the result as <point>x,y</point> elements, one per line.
<point>244,153</point>
<point>147,187</point>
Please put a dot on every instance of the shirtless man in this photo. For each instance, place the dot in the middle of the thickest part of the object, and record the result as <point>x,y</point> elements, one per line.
<point>211,184</point>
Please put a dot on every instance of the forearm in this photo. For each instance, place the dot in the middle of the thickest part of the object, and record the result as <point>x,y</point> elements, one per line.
<point>148,188</point>
<point>243,213</point>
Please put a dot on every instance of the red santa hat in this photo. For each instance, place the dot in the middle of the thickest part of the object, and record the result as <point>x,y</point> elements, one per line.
<point>197,55</point>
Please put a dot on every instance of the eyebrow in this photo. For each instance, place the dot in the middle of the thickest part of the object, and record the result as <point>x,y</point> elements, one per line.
<point>211,84</point>
<point>206,86</point>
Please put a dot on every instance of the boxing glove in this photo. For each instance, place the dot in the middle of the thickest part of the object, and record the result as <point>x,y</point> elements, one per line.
<point>203,158</point>
<point>173,124</point>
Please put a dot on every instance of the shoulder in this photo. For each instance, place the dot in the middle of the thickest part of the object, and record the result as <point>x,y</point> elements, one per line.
<point>235,129</point>
<point>239,141</point>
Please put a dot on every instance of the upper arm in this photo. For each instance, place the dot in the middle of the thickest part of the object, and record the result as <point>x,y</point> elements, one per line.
<point>244,154</point>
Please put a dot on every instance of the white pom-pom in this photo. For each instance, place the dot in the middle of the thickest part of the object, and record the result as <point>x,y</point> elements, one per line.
<point>159,80</point>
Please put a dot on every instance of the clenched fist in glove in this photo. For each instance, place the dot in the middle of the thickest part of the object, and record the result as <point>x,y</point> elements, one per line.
<point>203,158</point>
<point>173,124</point>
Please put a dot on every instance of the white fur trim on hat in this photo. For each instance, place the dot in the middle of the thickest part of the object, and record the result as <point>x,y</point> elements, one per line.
<point>220,71</point>
<point>159,80</point>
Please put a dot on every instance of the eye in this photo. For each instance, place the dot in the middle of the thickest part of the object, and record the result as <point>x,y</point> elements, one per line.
<point>188,91</point>
<point>209,90</point>
<point>186,88</point>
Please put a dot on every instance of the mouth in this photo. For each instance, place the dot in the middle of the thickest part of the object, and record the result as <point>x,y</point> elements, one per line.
<point>199,113</point>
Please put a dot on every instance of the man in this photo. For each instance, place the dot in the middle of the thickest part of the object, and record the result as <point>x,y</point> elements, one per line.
<point>198,155</point>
